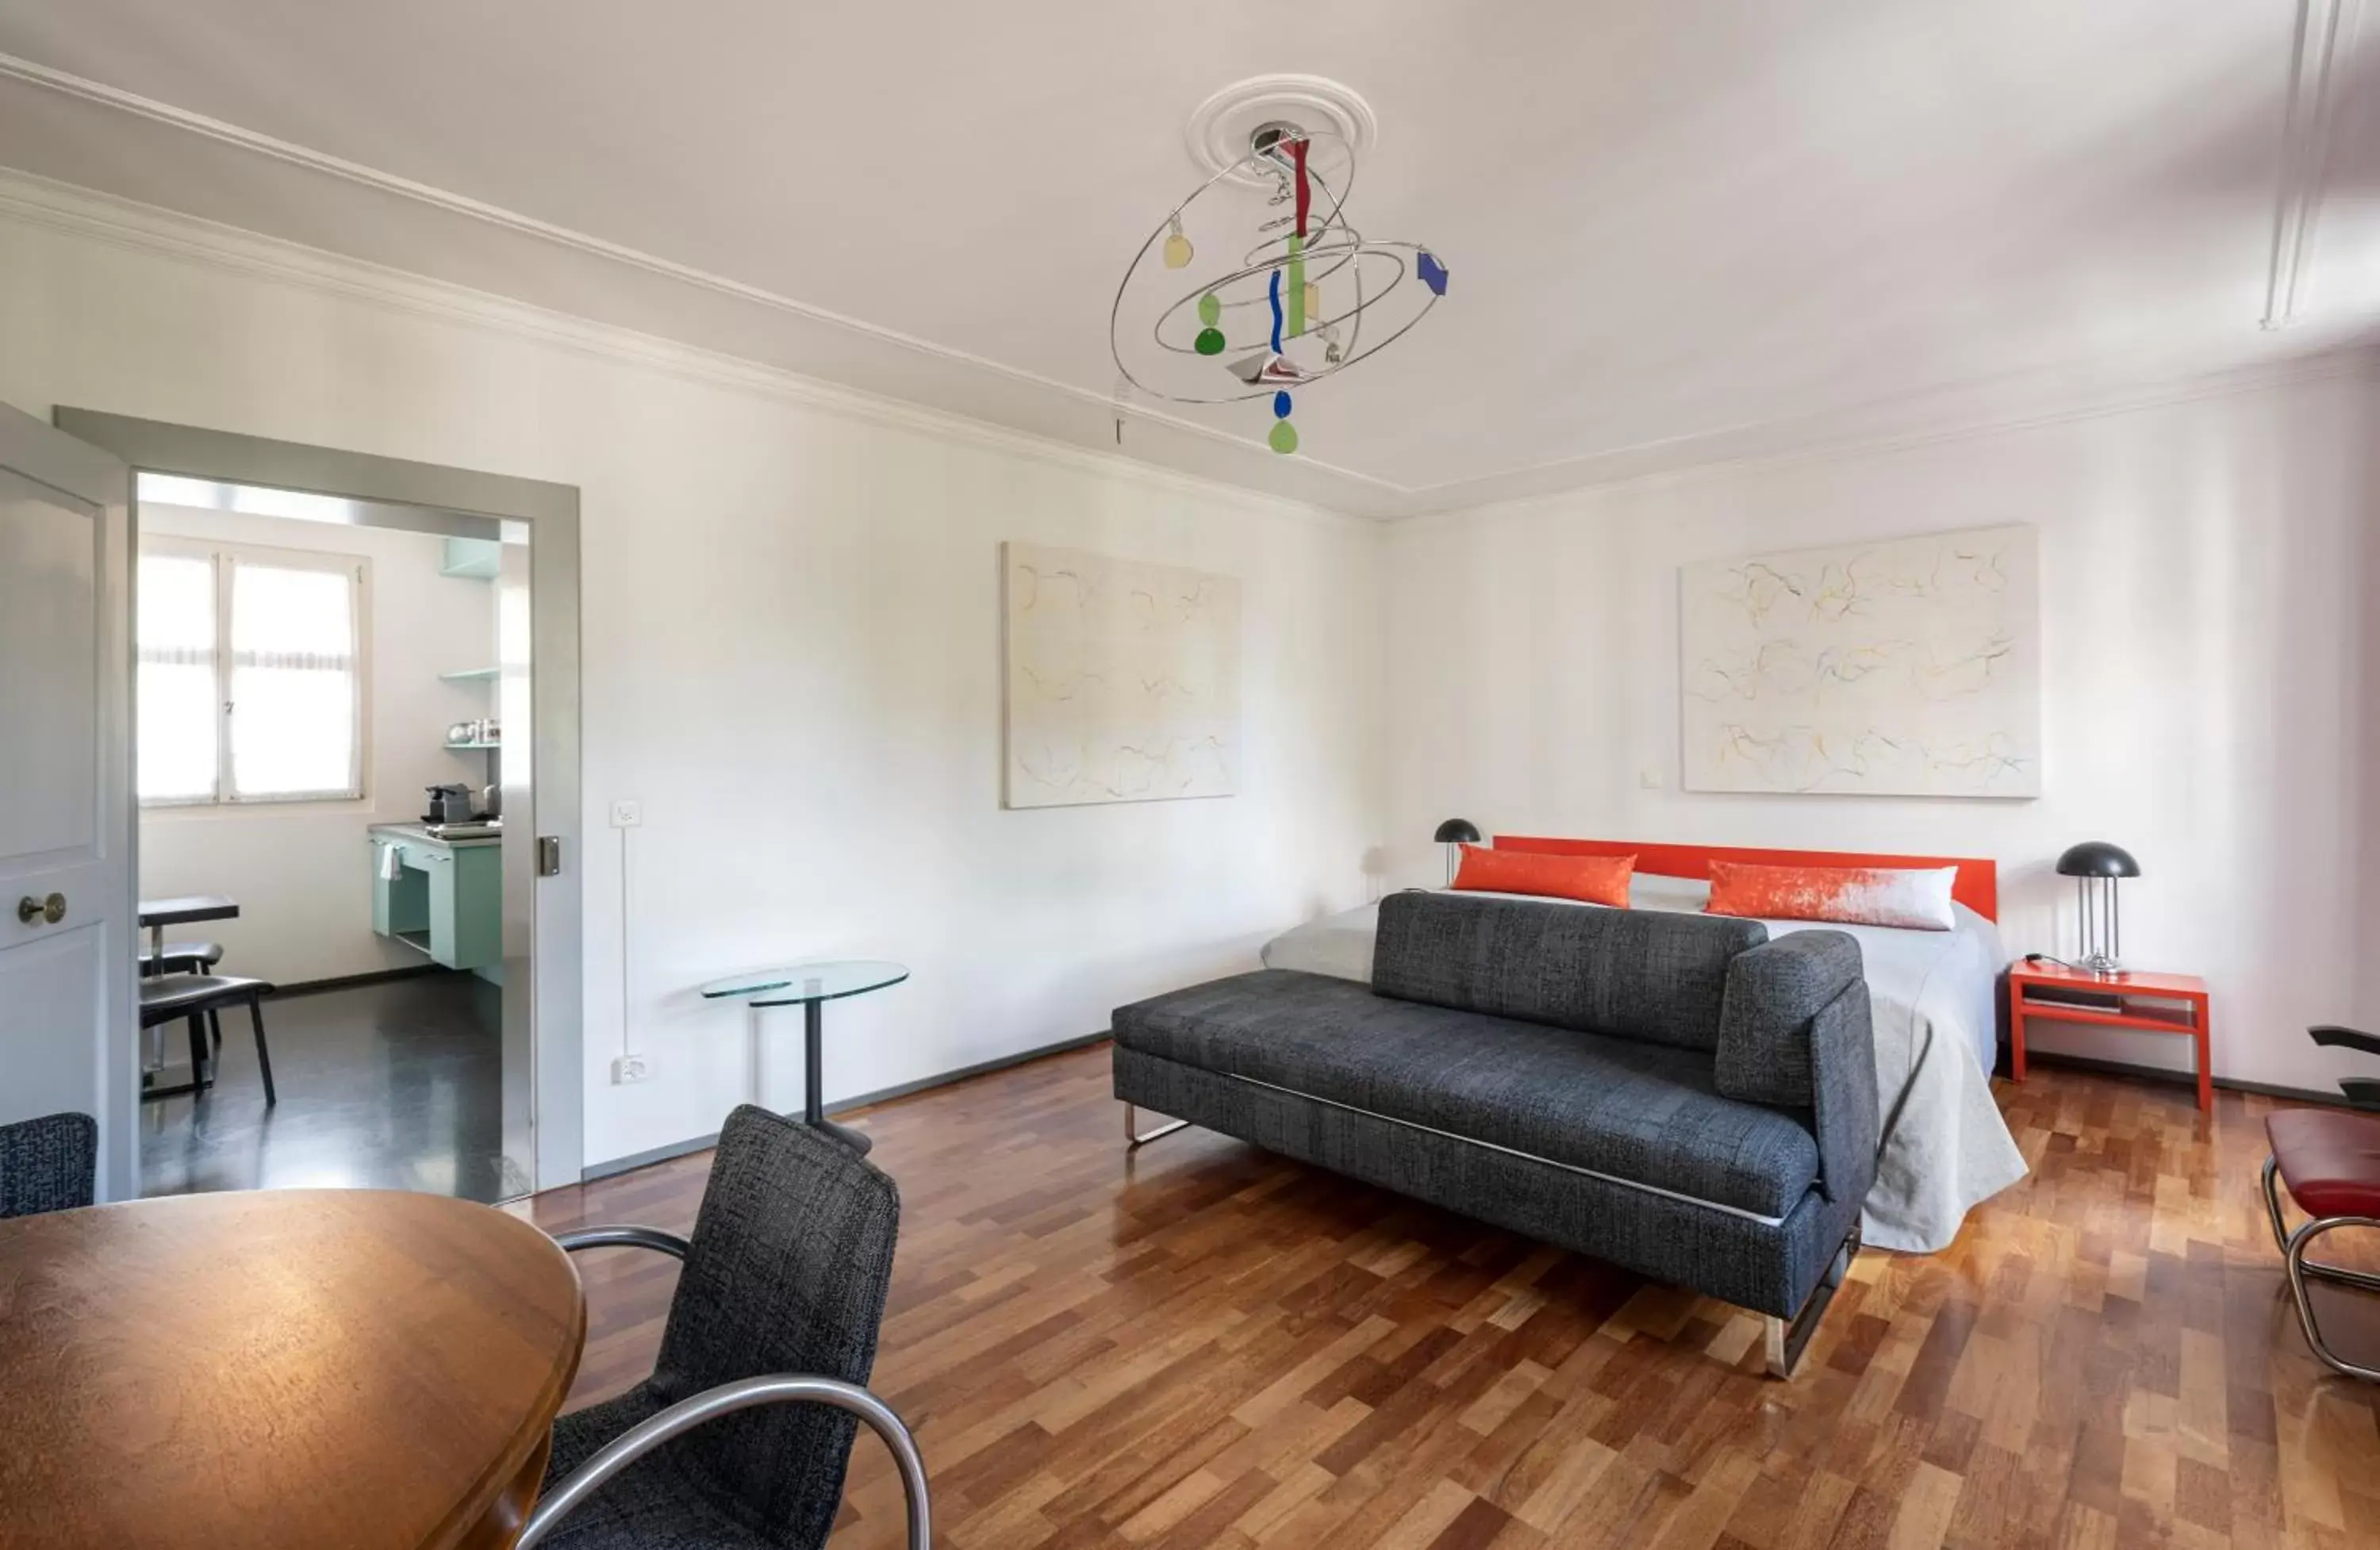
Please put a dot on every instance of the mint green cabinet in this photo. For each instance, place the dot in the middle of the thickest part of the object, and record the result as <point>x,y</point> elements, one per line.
<point>446,900</point>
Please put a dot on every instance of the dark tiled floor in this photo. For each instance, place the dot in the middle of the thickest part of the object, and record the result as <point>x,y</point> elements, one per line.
<point>395,1085</point>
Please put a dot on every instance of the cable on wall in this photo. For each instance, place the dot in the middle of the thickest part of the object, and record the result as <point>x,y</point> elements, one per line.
<point>625,1002</point>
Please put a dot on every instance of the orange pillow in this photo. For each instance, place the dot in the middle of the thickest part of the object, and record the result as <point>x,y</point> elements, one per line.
<point>1916,898</point>
<point>1592,879</point>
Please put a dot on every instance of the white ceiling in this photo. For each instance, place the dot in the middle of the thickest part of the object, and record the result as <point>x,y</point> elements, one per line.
<point>1676,231</point>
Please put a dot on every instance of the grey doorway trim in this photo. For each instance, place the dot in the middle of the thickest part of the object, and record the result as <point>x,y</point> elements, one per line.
<point>551,510</point>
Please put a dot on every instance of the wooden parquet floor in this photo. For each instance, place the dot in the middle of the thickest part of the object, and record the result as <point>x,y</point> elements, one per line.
<point>1203,1345</point>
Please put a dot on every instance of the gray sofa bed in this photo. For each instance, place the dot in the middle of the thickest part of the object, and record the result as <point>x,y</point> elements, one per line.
<point>1675,1094</point>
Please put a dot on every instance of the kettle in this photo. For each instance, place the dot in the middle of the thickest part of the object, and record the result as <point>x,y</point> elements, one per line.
<point>449,804</point>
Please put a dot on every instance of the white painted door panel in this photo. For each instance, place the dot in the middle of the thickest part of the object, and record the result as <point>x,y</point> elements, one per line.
<point>49,619</point>
<point>48,988</point>
<point>66,832</point>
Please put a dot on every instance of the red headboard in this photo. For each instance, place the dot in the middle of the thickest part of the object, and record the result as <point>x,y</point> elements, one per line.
<point>1977,885</point>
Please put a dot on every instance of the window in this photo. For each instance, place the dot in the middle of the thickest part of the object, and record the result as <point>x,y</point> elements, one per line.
<point>251,674</point>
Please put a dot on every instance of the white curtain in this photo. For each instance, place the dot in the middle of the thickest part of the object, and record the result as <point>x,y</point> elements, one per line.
<point>248,679</point>
<point>180,708</point>
<point>293,681</point>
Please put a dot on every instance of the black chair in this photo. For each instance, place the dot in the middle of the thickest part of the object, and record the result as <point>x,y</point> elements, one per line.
<point>779,1301</point>
<point>194,997</point>
<point>182,958</point>
<point>49,1163</point>
<point>187,958</point>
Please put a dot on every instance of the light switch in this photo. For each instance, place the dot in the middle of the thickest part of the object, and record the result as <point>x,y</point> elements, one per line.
<point>1649,778</point>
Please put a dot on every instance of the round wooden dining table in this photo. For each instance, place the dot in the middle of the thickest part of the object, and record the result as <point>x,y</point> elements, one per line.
<point>284,1367</point>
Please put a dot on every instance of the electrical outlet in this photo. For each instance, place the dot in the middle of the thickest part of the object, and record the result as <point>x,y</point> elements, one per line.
<point>630,1068</point>
<point>628,815</point>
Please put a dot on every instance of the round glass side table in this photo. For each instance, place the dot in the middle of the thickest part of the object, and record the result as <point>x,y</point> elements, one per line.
<point>811,987</point>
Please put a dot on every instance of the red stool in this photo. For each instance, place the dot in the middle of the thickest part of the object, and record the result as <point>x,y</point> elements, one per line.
<point>2330,1159</point>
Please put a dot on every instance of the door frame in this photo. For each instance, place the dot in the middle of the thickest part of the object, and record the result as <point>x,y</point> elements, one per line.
<point>550,511</point>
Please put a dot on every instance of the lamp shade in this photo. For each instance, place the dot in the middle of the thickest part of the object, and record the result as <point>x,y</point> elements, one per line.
<point>1458,831</point>
<point>2098,858</point>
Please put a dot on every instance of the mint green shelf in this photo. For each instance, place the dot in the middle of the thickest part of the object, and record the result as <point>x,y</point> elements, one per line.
<point>473,559</point>
<point>472,675</point>
<point>474,748</point>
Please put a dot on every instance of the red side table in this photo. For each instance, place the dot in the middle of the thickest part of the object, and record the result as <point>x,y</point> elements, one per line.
<point>2158,1003</point>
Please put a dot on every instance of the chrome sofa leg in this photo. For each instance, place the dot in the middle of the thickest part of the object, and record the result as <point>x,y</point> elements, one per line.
<point>2300,1268</point>
<point>1786,1339</point>
<point>1132,1140</point>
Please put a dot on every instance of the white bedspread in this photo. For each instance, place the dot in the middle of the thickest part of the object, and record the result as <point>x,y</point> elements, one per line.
<point>1944,1144</point>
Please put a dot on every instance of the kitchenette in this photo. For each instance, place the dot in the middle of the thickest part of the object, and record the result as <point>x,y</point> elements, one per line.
<point>438,881</point>
<point>438,885</point>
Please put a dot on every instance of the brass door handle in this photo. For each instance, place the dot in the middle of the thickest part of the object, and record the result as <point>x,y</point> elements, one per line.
<point>52,909</point>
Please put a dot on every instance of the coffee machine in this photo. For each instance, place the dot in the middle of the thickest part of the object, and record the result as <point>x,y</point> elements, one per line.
<point>449,804</point>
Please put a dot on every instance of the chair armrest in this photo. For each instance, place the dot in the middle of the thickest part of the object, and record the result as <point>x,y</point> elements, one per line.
<point>1796,1030</point>
<point>2345,1039</point>
<point>725,1400</point>
<point>624,1237</point>
<point>1774,992</point>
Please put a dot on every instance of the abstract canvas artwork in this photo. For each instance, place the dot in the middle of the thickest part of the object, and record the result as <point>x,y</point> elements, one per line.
<point>1905,667</point>
<point>1124,678</point>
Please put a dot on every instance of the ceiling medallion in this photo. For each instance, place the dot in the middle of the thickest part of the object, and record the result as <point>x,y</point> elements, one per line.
<point>1301,295</point>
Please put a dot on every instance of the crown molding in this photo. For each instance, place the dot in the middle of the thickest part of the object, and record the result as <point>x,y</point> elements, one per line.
<point>1976,406</point>
<point>125,223</point>
<point>33,73</point>
<point>1972,405</point>
<point>117,221</point>
<point>2355,361</point>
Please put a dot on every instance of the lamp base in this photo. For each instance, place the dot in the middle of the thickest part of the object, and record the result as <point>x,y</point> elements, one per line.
<point>2101,964</point>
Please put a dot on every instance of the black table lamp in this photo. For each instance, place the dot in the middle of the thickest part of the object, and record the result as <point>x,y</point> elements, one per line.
<point>1455,833</point>
<point>2094,864</point>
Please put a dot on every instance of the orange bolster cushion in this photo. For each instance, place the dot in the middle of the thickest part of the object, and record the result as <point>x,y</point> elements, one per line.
<point>1591,879</point>
<point>1913,898</point>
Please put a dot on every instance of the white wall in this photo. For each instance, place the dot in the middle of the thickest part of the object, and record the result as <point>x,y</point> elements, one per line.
<point>791,658</point>
<point>2212,693</point>
<point>790,655</point>
<point>302,870</point>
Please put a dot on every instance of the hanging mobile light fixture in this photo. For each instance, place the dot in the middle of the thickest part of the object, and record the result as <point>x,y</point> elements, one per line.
<point>1303,296</point>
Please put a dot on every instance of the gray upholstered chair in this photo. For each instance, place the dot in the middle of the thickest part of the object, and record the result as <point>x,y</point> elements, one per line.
<point>48,1163</point>
<point>741,1435</point>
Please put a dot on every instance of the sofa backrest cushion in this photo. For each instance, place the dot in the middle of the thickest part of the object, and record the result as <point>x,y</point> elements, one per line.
<point>1635,973</point>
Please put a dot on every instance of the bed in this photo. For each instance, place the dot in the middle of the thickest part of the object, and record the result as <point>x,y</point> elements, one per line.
<point>1945,1146</point>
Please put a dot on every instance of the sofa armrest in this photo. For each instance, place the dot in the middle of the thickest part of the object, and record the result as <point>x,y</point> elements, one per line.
<point>1796,1031</point>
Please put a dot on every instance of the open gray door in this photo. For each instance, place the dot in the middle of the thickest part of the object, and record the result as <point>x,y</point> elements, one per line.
<point>67,926</point>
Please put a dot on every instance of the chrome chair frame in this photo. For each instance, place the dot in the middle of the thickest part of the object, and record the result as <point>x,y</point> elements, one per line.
<point>2294,1247</point>
<point>724,1400</point>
